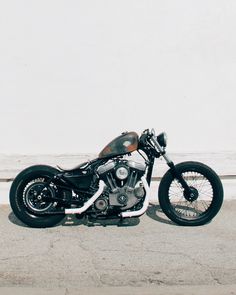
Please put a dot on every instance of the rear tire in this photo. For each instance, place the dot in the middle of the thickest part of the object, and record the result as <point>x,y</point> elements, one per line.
<point>206,186</point>
<point>22,203</point>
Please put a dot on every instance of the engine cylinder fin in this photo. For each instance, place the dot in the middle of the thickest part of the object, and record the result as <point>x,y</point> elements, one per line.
<point>132,180</point>
<point>111,182</point>
<point>123,191</point>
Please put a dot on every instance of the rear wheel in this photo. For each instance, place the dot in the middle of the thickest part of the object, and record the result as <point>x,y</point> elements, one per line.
<point>30,197</point>
<point>201,204</point>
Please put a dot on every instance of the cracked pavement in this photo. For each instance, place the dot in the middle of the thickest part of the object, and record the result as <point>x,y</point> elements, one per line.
<point>149,251</point>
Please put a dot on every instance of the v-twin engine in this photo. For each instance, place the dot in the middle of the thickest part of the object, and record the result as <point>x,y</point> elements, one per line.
<point>124,188</point>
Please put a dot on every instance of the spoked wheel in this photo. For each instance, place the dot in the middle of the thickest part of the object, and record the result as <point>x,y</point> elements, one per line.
<point>31,197</point>
<point>200,203</point>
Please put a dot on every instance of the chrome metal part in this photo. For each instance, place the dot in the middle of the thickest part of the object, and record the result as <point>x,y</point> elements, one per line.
<point>122,173</point>
<point>106,167</point>
<point>161,150</point>
<point>126,197</point>
<point>136,165</point>
<point>145,203</point>
<point>89,202</point>
<point>101,204</point>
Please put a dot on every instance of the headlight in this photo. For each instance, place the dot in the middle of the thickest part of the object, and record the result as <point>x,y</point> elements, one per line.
<point>122,173</point>
<point>162,139</point>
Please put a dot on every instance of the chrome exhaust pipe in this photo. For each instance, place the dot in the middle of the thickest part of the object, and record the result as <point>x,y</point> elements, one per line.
<point>145,203</point>
<point>89,202</point>
<point>123,214</point>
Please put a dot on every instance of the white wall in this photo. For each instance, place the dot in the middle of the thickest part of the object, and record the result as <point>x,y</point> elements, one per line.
<point>74,74</point>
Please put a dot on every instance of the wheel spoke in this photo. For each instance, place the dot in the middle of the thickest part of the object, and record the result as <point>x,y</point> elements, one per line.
<point>197,207</point>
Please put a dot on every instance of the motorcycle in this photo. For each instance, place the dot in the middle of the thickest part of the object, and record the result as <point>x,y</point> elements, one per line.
<point>115,186</point>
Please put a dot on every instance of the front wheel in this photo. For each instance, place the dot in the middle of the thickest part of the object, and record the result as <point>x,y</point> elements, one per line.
<point>206,194</point>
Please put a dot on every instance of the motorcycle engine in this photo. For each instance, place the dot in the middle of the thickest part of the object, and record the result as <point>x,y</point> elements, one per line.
<point>124,187</point>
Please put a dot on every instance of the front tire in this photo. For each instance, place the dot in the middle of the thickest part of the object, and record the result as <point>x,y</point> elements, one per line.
<point>23,197</point>
<point>207,194</point>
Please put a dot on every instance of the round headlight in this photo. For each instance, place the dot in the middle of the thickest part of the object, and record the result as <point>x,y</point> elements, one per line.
<point>162,139</point>
<point>122,173</point>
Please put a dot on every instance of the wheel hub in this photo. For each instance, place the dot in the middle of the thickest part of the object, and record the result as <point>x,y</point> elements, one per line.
<point>191,195</point>
<point>36,197</point>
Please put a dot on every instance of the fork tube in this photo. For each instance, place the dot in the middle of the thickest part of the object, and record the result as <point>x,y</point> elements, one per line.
<point>173,170</point>
<point>150,169</point>
<point>178,176</point>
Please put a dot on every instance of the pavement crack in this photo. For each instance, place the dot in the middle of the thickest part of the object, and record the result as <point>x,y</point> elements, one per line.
<point>15,257</point>
<point>205,266</point>
<point>96,272</point>
<point>216,280</point>
<point>92,262</point>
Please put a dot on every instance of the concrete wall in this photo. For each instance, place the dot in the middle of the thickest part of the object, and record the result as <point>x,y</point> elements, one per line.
<point>74,74</point>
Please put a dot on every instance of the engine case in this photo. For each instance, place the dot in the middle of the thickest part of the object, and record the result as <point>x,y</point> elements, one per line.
<point>123,193</point>
<point>126,197</point>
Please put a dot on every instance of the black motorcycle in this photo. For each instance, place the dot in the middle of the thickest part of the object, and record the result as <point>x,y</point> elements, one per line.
<point>116,186</point>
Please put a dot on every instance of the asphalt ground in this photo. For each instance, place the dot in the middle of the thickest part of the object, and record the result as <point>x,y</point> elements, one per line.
<point>146,255</point>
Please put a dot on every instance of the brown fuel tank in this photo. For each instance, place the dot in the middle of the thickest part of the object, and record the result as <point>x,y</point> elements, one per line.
<point>123,144</point>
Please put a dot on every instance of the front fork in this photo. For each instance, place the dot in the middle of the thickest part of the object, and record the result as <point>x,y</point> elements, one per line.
<point>178,176</point>
<point>161,152</point>
<point>188,191</point>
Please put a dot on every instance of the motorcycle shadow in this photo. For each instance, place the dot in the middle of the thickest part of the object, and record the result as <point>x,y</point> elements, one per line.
<point>155,212</point>
<point>13,219</point>
<point>71,220</point>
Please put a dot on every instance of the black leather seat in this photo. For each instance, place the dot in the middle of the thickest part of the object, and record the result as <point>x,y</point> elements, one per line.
<point>80,166</point>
